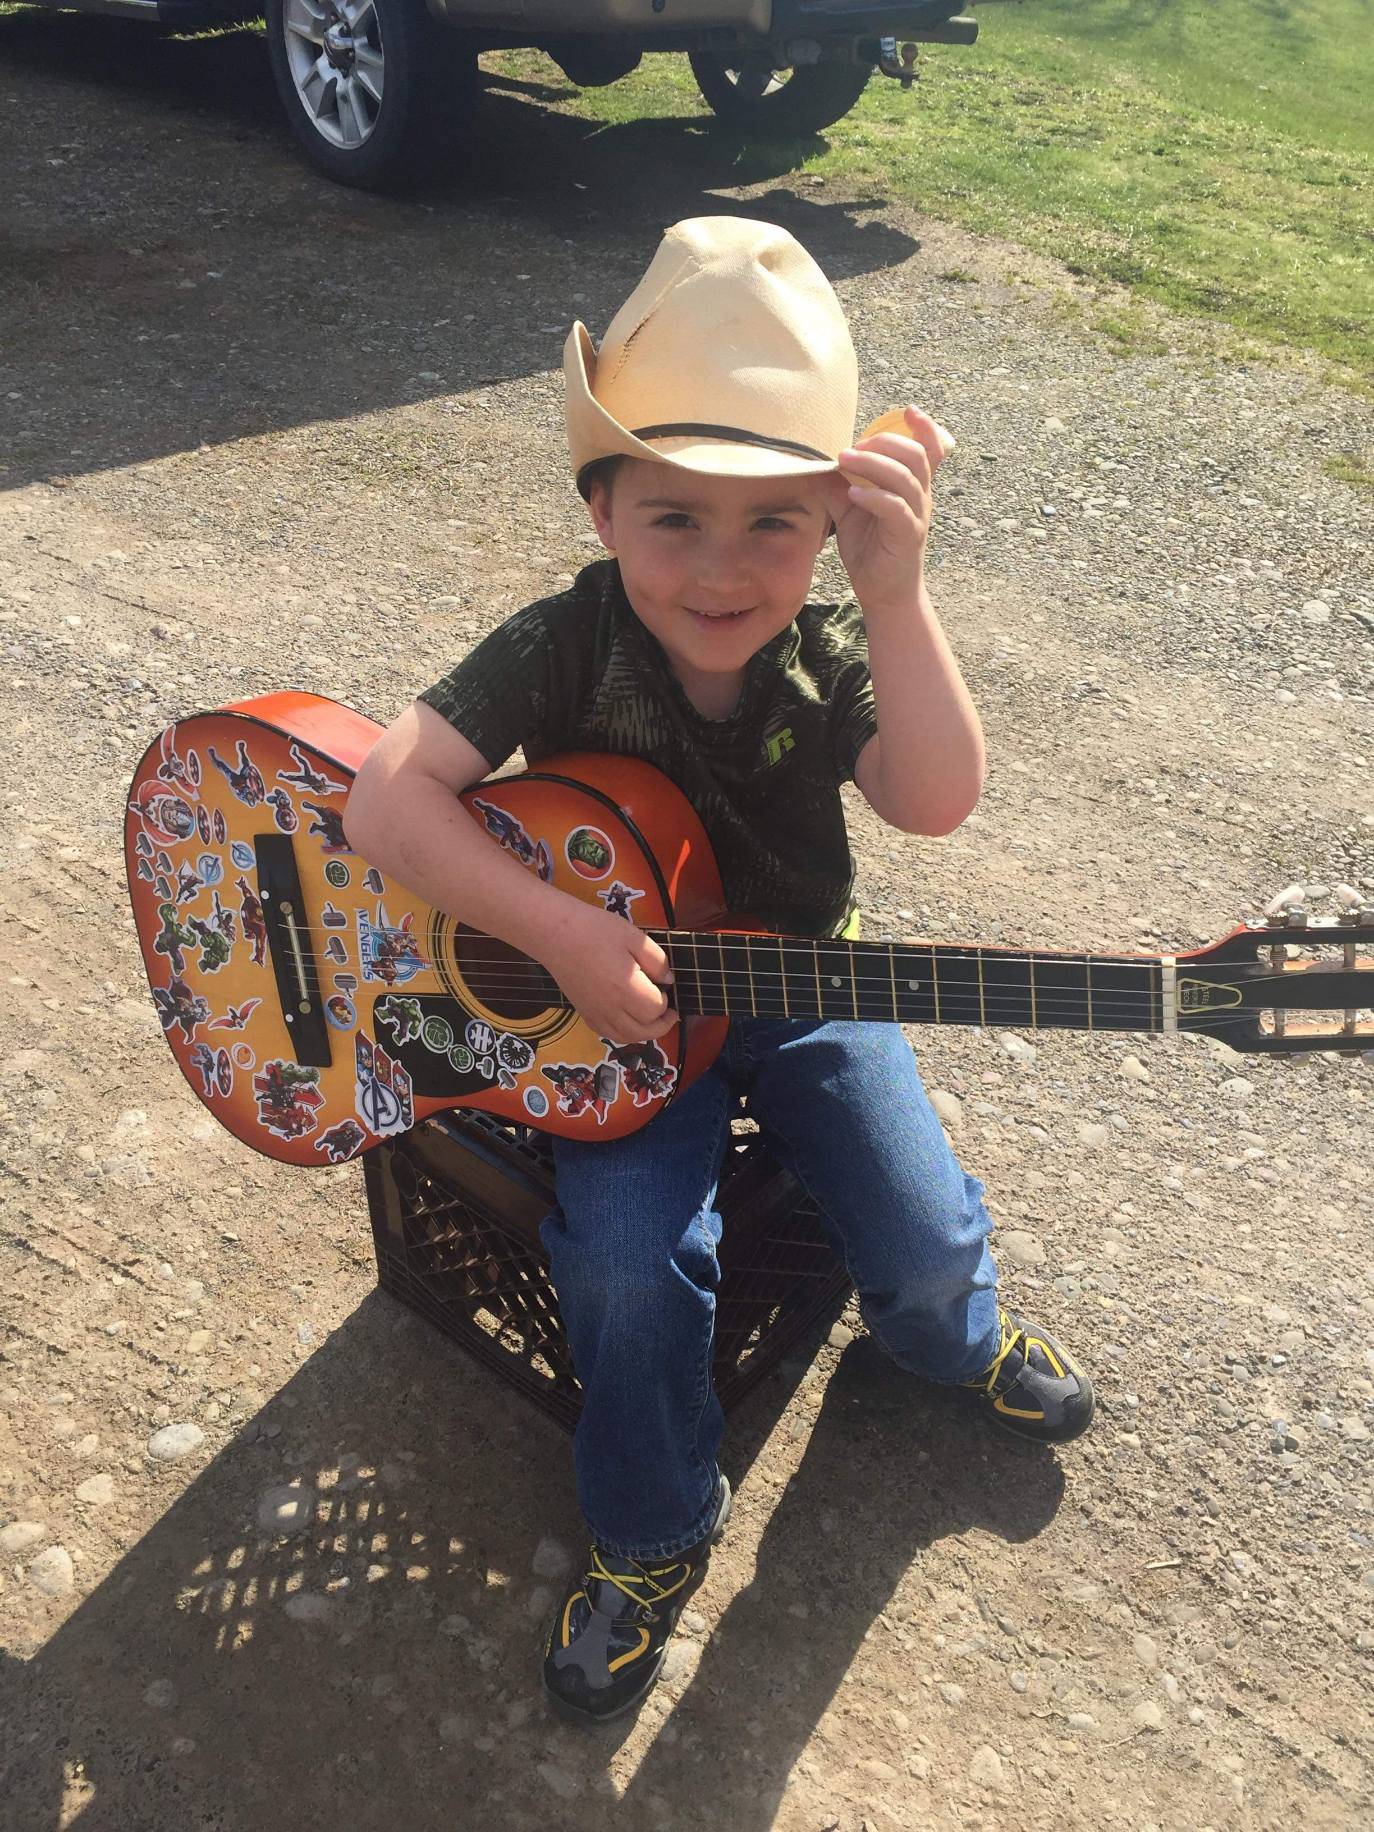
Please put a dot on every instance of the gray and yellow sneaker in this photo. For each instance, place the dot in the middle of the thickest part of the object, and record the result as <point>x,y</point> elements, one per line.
<point>1033,1386</point>
<point>608,1641</point>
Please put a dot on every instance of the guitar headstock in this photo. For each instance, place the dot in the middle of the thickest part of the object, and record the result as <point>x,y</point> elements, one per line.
<point>1289,981</point>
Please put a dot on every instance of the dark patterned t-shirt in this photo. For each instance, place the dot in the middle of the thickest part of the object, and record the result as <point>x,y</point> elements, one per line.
<point>579,671</point>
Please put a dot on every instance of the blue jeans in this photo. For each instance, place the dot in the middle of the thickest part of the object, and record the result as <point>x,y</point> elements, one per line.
<point>632,1249</point>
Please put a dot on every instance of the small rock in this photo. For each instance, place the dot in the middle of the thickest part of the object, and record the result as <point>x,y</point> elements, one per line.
<point>951,1693</point>
<point>558,1781</point>
<point>161,1695</point>
<point>19,1535</point>
<point>1021,1248</point>
<point>98,1491</point>
<point>287,1511</point>
<point>1093,1132</point>
<point>1082,1720</point>
<point>175,1441</point>
<point>985,1770</point>
<point>551,1559</point>
<point>1134,1069</point>
<point>198,1341</point>
<point>1316,610</point>
<point>307,1606</point>
<point>840,1336</point>
<point>51,1572</point>
<point>878,1768</point>
<point>1237,1088</point>
<point>1017,1047</point>
<point>1146,1651</point>
<point>948,1107</point>
<point>1147,1715</point>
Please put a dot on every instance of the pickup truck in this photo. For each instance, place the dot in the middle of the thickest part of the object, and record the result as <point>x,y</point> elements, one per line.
<point>377,91</point>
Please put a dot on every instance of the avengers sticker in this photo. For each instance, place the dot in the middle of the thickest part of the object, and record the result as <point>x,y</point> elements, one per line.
<point>236,1017</point>
<point>644,1069</point>
<point>618,900</point>
<point>589,852</point>
<point>165,816</point>
<point>283,810</point>
<point>388,951</point>
<point>254,921</point>
<point>578,1087</point>
<point>216,1071</point>
<point>177,772</point>
<point>341,1141</point>
<point>242,855</point>
<point>288,1097</point>
<point>243,776</point>
<point>328,823</point>
<point>511,837</point>
<point>382,1089</point>
<point>340,1011</point>
<point>178,1005</point>
<point>304,777</point>
<point>337,874</point>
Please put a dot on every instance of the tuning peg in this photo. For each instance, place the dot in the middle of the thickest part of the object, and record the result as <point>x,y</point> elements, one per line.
<point>1353,904</point>
<point>1289,908</point>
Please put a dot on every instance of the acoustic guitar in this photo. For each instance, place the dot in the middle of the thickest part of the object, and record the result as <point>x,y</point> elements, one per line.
<point>316,1006</point>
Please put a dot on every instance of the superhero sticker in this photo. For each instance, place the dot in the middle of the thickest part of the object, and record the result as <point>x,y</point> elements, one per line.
<point>387,951</point>
<point>382,1090</point>
<point>511,837</point>
<point>641,1068</point>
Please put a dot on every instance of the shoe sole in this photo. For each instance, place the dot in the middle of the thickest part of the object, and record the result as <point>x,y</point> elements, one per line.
<point>572,1714</point>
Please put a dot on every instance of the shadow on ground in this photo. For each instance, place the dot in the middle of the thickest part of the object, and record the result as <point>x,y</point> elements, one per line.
<point>384,1662</point>
<point>174,274</point>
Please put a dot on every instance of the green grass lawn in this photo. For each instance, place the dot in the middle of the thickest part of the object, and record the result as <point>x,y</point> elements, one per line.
<point>1214,155</point>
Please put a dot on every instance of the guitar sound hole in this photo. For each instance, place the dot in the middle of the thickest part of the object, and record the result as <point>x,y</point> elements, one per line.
<point>499,977</point>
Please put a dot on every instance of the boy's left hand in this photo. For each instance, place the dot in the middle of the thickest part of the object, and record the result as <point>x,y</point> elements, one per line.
<point>880,502</point>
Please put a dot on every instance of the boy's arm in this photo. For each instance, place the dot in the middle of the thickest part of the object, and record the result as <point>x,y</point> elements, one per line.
<point>923,772</point>
<point>403,816</point>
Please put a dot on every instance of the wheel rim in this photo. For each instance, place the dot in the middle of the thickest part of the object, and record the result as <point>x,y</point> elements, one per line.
<point>338,64</point>
<point>752,81</point>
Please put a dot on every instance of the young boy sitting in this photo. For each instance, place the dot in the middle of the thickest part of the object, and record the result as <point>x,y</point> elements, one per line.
<point>712,436</point>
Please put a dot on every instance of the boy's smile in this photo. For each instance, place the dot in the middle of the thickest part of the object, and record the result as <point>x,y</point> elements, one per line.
<point>714,567</point>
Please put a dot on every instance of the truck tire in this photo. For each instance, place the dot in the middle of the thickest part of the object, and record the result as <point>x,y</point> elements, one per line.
<point>375,91</point>
<point>754,98</point>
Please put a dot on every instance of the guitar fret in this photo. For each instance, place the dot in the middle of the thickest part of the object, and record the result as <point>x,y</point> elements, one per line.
<point>749,963</point>
<point>782,975</point>
<point>724,988</point>
<point>892,975</point>
<point>816,962</point>
<point>982,995</point>
<point>1030,974</point>
<point>1088,988</point>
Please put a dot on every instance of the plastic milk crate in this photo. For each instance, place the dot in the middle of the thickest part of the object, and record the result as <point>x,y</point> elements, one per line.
<point>456,1206</point>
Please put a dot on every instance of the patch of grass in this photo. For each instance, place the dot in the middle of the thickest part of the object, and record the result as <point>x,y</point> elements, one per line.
<point>1346,468</point>
<point>1216,159</point>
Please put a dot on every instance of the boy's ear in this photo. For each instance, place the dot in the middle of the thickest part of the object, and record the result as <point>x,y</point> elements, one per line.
<point>599,507</point>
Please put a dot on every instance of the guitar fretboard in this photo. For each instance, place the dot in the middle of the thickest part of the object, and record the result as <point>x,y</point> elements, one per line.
<point>771,976</point>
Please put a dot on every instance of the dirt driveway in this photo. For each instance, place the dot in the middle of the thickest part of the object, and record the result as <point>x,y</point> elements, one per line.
<point>261,433</point>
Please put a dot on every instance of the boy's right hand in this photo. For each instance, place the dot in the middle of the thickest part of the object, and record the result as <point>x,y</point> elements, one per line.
<point>613,975</point>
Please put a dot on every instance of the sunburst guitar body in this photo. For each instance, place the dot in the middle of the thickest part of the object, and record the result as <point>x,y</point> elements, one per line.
<point>317,1007</point>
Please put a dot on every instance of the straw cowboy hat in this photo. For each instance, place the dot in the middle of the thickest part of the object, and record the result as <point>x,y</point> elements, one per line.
<point>731,356</point>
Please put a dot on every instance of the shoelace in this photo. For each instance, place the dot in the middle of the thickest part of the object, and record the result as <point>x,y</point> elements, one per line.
<point>626,1583</point>
<point>1010,1338</point>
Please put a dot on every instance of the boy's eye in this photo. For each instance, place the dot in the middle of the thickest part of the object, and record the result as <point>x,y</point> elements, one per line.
<point>773,522</point>
<point>673,519</point>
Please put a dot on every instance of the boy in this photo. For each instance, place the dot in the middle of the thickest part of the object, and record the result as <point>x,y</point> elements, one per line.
<point>708,436</point>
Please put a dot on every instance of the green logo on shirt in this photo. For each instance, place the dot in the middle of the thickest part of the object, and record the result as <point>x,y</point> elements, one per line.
<point>778,743</point>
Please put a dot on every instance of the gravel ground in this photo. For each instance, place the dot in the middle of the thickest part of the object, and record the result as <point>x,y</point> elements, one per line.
<point>259,433</point>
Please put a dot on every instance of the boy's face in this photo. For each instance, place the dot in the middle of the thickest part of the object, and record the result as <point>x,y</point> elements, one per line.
<point>715,567</point>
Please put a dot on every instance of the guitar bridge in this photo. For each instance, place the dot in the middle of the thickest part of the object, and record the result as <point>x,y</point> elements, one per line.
<point>292,950</point>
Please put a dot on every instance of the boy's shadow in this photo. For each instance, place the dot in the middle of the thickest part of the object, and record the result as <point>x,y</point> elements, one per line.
<point>892,1466</point>
<point>387,1656</point>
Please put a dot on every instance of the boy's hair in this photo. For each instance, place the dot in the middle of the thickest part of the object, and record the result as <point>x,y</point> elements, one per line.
<point>600,471</point>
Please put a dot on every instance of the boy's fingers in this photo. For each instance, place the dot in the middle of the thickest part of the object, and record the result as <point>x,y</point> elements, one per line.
<point>903,456</point>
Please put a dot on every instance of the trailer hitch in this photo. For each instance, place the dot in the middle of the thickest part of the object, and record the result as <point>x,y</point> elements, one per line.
<point>900,64</point>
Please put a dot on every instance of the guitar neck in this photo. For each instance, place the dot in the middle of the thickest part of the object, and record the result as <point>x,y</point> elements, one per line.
<point>785,976</point>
